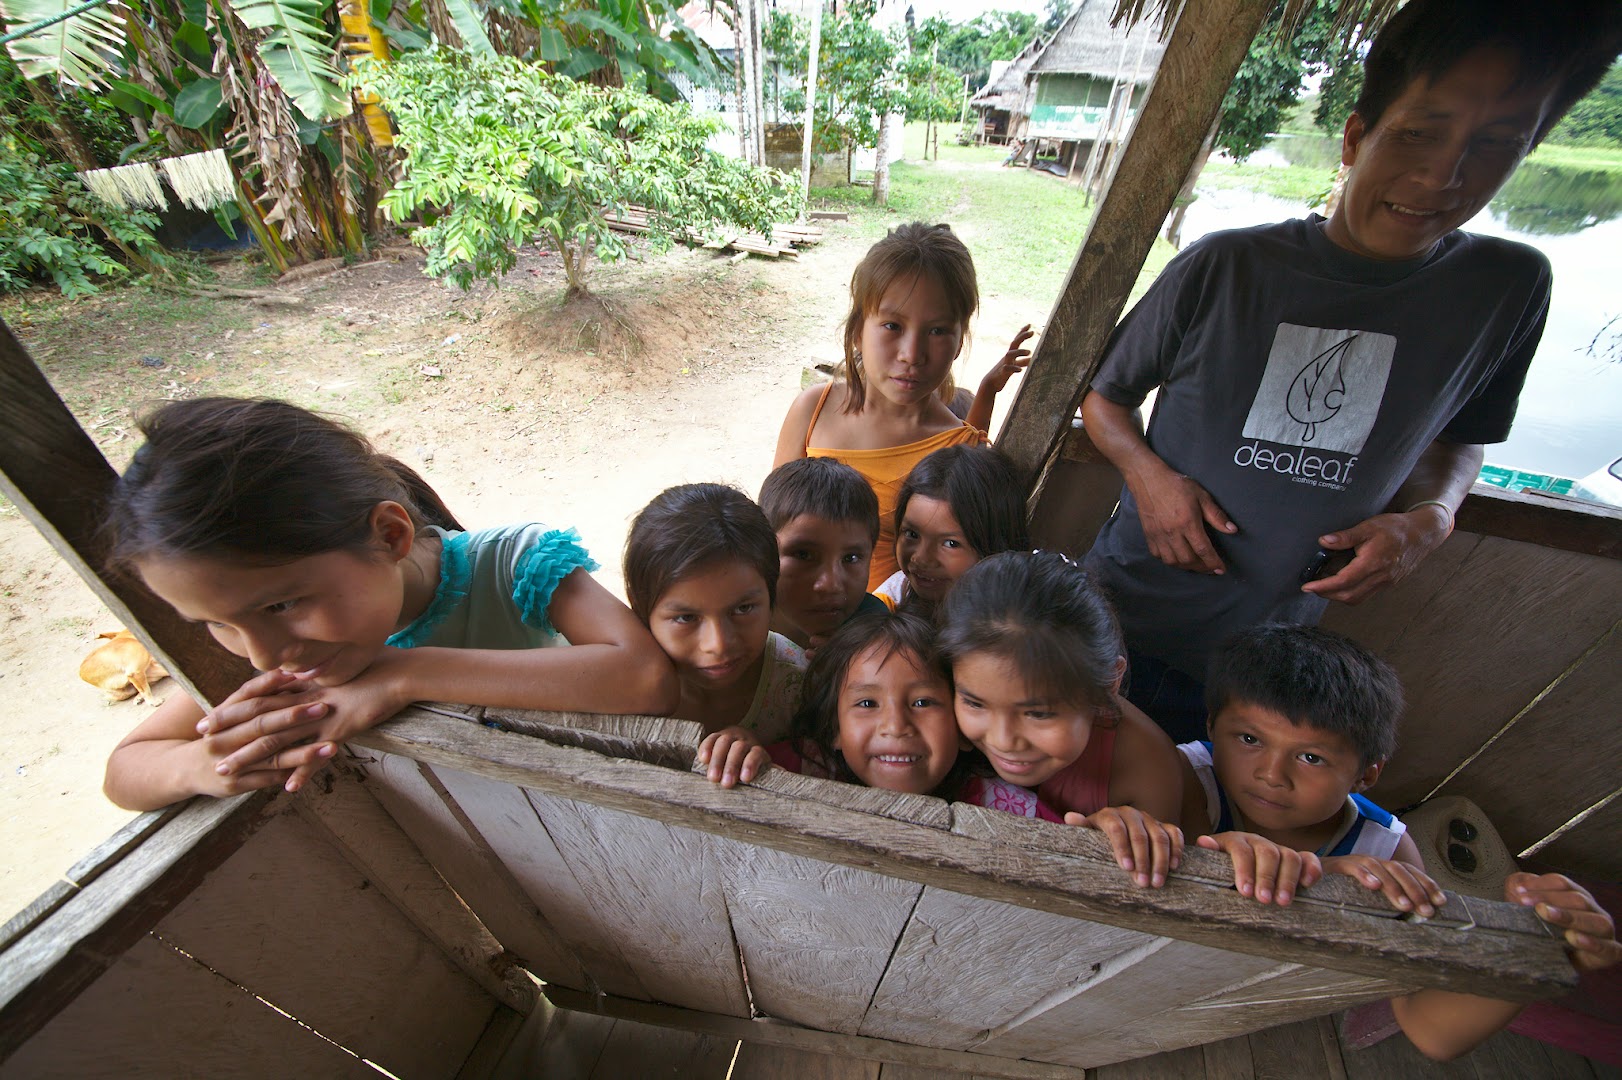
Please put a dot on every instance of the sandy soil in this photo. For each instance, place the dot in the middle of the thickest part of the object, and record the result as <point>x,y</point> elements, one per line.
<point>513,407</point>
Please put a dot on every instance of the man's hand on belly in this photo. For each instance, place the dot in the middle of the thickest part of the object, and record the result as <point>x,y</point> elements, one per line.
<point>1387,546</point>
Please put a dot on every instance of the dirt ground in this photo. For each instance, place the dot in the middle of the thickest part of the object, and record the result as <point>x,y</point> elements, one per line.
<point>513,407</point>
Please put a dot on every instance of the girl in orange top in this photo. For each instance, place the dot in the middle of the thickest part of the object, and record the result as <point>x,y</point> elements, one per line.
<point>911,299</point>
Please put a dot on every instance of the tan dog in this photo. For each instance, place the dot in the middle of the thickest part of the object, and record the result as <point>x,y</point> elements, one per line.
<point>122,668</point>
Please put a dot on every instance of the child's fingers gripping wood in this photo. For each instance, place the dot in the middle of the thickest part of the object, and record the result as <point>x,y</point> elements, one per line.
<point>732,755</point>
<point>1144,846</point>
<point>1588,928</point>
<point>1405,886</point>
<point>1263,869</point>
<point>259,694</point>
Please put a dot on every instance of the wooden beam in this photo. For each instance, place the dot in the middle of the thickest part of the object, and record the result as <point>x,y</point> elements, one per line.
<point>60,481</point>
<point>777,1033</point>
<point>1045,877</point>
<point>47,968</point>
<point>1205,50</point>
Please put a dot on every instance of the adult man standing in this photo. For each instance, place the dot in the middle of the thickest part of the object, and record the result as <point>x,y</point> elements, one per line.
<point>1326,386</point>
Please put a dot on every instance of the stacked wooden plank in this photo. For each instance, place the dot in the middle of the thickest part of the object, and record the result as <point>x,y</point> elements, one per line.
<point>784,239</point>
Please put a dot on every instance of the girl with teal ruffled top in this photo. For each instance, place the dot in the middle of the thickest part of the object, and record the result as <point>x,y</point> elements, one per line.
<point>344,579</point>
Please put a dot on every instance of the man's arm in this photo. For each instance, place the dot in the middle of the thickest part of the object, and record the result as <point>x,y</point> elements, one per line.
<point>1388,546</point>
<point>1173,509</point>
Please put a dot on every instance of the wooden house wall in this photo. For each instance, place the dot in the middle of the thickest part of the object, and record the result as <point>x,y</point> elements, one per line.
<point>1508,639</point>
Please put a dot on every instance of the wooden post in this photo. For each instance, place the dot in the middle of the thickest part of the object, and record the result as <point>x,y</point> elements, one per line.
<point>1204,52</point>
<point>58,478</point>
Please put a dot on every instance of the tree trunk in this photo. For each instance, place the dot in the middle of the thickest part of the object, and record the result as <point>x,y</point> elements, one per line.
<point>810,98</point>
<point>67,137</point>
<point>881,162</point>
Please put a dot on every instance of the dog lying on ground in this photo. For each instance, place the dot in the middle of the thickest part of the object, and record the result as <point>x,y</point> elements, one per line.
<point>122,668</point>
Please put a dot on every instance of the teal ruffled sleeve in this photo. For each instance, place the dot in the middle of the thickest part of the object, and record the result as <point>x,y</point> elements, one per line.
<point>455,574</point>
<point>538,571</point>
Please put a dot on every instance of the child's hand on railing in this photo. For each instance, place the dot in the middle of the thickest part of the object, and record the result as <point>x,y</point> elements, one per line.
<point>1144,846</point>
<point>1406,887</point>
<point>733,754</point>
<point>1263,870</point>
<point>1562,903</point>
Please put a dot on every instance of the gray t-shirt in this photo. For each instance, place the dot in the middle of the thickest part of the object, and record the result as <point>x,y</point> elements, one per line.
<point>1299,384</point>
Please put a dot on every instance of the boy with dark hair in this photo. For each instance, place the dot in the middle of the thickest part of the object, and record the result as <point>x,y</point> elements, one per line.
<point>827,520</point>
<point>1302,721</point>
<point>1326,386</point>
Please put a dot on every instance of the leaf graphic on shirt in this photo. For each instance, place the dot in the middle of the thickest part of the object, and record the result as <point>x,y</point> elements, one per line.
<point>1318,389</point>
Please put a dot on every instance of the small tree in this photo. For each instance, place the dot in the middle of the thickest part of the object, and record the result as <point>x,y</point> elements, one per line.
<point>498,151</point>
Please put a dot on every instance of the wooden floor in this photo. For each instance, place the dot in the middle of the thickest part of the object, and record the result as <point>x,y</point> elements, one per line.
<point>561,1045</point>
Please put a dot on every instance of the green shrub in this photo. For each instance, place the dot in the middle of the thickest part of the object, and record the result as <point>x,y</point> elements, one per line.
<point>52,228</point>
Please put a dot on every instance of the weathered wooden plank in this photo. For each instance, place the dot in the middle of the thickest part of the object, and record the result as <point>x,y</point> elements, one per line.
<point>1204,51</point>
<point>286,907</point>
<point>1292,1052</point>
<point>1508,965</point>
<point>1561,753</point>
<point>661,740</point>
<point>1188,1062</point>
<point>937,992</point>
<point>915,1072</point>
<point>573,1044</point>
<point>815,937</point>
<point>55,475</point>
<point>642,1050</point>
<point>505,819</point>
<point>653,888</point>
<point>156,1013</point>
<point>898,805</point>
<point>1557,601</point>
<point>463,857</point>
<point>759,1061</point>
<point>1106,1019</point>
<point>1589,848</point>
<point>344,812</point>
<point>487,1053</point>
<point>1330,1041</point>
<point>776,1033</point>
<point>1228,1059</point>
<point>1084,495</point>
<point>47,967</point>
<point>1586,528</point>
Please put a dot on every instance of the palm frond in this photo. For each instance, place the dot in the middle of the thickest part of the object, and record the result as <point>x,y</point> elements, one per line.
<point>79,50</point>
<point>298,53</point>
<point>471,26</point>
<point>1356,20</point>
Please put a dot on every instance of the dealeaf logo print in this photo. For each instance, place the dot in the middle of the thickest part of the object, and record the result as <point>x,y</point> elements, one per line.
<point>1310,417</point>
<point>1319,389</point>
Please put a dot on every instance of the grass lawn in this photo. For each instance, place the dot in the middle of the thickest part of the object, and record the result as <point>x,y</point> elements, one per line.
<point>1024,227</point>
<point>1588,158</point>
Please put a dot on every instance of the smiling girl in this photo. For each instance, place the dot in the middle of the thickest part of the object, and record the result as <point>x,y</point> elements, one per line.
<point>1037,663</point>
<point>912,296</point>
<point>340,575</point>
<point>956,507</point>
<point>701,570</point>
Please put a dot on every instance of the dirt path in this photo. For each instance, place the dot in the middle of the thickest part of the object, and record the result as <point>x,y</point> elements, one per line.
<point>513,408</point>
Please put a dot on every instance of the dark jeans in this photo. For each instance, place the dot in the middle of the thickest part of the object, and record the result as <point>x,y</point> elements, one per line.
<point>1172,699</point>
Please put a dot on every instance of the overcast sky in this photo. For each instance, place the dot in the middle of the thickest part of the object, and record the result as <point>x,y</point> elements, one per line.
<point>961,11</point>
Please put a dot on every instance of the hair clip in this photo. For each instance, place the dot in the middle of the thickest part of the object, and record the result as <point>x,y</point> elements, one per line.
<point>1068,561</point>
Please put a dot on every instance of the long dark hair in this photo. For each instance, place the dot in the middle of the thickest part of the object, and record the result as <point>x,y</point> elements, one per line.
<point>1045,616</point>
<point>983,490</point>
<point>689,527</point>
<point>816,721</point>
<point>257,479</point>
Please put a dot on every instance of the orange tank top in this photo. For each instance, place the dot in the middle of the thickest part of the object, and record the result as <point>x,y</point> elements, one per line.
<point>884,469</point>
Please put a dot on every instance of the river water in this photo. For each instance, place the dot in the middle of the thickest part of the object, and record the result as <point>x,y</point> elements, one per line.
<point>1570,418</point>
